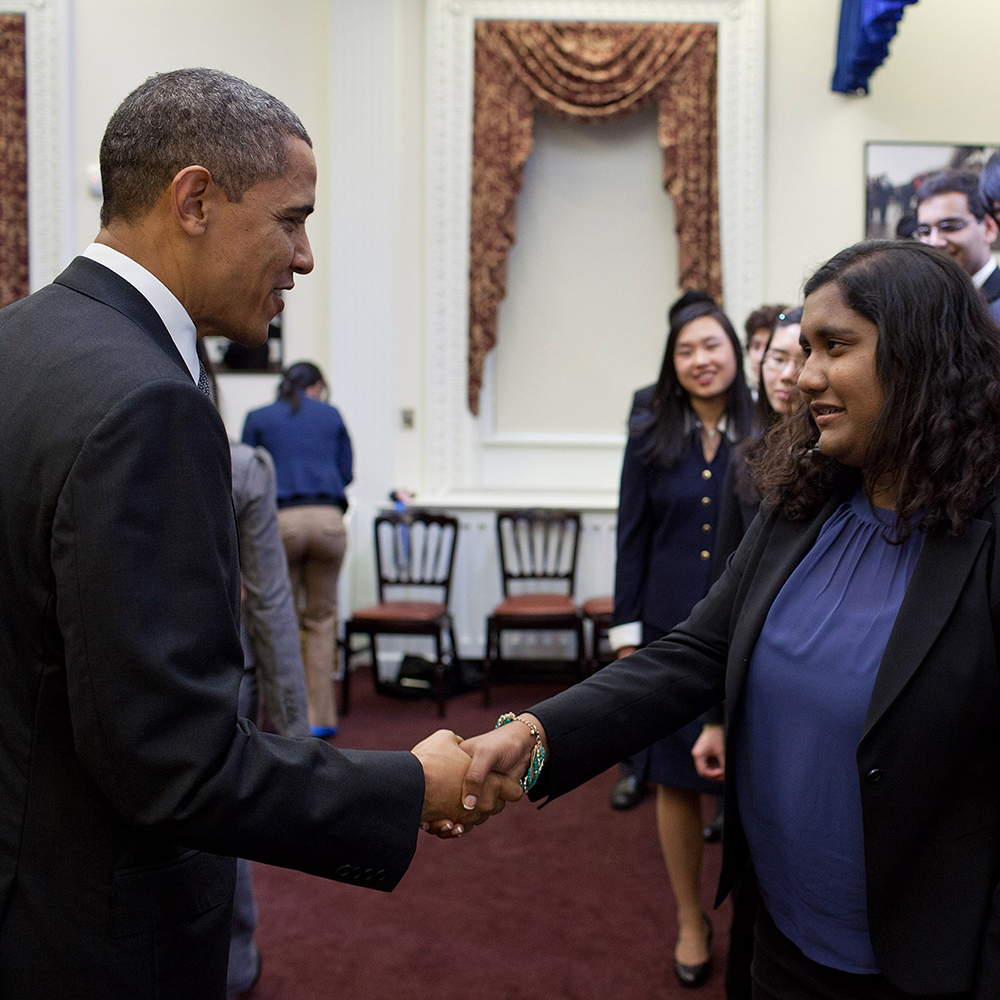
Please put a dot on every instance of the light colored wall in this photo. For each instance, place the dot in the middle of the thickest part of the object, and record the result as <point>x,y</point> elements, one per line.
<point>590,277</point>
<point>937,85</point>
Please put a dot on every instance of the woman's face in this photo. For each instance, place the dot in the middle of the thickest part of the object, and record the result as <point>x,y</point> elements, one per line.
<point>780,369</point>
<point>839,380</point>
<point>704,359</point>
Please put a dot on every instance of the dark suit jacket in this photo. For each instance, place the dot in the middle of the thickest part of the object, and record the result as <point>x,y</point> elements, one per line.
<point>122,762</point>
<point>928,762</point>
<point>991,286</point>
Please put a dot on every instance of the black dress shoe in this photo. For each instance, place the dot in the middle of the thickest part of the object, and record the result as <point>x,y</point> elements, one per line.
<point>628,792</point>
<point>693,976</point>
<point>712,831</point>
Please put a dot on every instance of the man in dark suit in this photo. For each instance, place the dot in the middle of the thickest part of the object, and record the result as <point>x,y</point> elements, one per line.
<point>127,782</point>
<point>952,216</point>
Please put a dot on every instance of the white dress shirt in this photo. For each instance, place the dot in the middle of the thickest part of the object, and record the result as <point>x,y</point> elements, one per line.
<point>179,324</point>
<point>979,278</point>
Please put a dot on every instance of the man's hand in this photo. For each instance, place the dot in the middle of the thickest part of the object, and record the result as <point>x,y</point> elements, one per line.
<point>709,752</point>
<point>505,751</point>
<point>445,767</point>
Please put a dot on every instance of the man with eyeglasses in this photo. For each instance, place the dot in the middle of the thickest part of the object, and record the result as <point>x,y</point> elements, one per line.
<point>952,216</point>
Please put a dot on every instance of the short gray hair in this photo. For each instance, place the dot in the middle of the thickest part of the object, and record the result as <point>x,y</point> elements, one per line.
<point>199,116</point>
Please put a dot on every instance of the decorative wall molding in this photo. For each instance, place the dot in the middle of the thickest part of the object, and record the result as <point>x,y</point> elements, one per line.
<point>50,207</point>
<point>463,452</point>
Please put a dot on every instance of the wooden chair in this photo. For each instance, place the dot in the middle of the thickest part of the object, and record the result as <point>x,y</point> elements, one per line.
<point>414,551</point>
<point>537,550</point>
<point>598,611</point>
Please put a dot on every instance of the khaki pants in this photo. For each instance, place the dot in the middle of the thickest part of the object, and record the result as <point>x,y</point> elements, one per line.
<point>315,541</point>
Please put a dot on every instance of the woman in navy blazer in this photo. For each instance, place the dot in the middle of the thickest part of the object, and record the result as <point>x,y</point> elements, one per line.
<point>902,378</point>
<point>680,434</point>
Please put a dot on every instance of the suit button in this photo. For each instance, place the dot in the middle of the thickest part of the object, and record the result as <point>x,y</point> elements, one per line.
<point>380,875</point>
<point>356,873</point>
<point>705,501</point>
<point>875,774</point>
<point>706,473</point>
<point>705,554</point>
<point>343,871</point>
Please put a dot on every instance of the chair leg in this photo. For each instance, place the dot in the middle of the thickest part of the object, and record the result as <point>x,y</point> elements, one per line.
<point>439,674</point>
<point>581,650</point>
<point>488,662</point>
<point>345,681</point>
<point>374,655</point>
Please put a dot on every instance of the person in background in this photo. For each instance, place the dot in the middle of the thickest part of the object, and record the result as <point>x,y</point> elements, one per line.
<point>759,326</point>
<point>952,217</point>
<point>778,376</point>
<point>854,635</point>
<point>273,687</point>
<point>989,194</point>
<point>681,431</point>
<point>311,449</point>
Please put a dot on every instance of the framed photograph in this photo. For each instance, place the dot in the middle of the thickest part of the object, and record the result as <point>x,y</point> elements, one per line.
<point>894,172</point>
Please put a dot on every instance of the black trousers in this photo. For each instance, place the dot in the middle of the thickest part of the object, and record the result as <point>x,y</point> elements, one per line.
<point>781,972</point>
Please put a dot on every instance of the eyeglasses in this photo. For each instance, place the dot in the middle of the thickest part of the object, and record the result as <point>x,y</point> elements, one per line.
<point>776,361</point>
<point>944,227</point>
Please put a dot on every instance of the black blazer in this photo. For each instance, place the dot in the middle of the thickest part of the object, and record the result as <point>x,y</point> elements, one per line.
<point>991,286</point>
<point>122,762</point>
<point>927,764</point>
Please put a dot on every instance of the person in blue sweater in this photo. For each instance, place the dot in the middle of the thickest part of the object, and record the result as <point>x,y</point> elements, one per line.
<point>313,460</point>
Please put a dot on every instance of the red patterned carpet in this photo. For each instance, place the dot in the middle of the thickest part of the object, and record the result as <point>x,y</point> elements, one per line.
<point>568,902</point>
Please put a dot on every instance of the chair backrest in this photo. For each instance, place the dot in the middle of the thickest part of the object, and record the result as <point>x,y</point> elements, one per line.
<point>538,546</point>
<point>415,548</point>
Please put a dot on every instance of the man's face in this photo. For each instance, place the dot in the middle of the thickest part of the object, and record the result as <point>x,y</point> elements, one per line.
<point>944,221</point>
<point>253,250</point>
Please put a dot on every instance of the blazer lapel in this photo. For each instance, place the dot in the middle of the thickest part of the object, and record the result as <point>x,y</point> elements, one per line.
<point>785,548</point>
<point>101,283</point>
<point>938,578</point>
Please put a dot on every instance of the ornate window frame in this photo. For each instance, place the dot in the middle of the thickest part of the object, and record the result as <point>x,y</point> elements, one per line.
<point>50,203</point>
<point>457,442</point>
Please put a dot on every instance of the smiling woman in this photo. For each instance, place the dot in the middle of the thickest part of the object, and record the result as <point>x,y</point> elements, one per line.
<point>903,385</point>
<point>857,650</point>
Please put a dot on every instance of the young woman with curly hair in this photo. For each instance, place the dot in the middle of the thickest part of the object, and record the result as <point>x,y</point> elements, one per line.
<point>854,634</point>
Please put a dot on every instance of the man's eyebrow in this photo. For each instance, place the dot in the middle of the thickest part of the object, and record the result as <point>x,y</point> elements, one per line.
<point>302,210</point>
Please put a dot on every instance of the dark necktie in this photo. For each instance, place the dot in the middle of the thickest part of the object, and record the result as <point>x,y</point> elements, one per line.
<point>203,382</point>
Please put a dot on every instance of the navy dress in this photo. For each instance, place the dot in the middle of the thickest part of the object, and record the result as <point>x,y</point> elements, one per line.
<point>667,527</point>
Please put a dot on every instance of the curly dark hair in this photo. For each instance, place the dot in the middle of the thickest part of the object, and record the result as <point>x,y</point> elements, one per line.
<point>938,363</point>
<point>666,438</point>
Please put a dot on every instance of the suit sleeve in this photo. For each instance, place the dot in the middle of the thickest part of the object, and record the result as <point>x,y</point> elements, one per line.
<point>634,702</point>
<point>144,561</point>
<point>634,536</point>
<point>268,608</point>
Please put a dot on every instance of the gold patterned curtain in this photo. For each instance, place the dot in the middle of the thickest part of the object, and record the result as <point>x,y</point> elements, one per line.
<point>13,162</point>
<point>591,71</point>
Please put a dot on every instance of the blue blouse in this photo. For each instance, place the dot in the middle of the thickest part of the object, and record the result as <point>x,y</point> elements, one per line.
<point>807,691</point>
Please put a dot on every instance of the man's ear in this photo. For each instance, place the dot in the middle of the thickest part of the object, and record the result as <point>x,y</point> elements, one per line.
<point>191,190</point>
<point>990,229</point>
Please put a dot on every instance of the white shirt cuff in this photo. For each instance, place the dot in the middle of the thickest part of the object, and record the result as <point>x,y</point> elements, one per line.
<point>629,634</point>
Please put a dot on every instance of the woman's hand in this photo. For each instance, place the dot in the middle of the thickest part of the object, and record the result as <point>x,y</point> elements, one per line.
<point>709,752</point>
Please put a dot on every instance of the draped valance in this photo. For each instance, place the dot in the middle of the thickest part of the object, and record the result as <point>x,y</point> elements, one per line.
<point>590,71</point>
<point>13,161</point>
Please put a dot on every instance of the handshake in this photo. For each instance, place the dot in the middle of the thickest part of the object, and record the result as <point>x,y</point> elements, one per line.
<point>467,781</point>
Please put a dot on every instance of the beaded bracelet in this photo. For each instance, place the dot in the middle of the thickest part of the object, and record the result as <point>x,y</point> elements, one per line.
<point>537,753</point>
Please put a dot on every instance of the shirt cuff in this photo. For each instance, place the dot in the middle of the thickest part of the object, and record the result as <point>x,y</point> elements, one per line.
<point>629,634</point>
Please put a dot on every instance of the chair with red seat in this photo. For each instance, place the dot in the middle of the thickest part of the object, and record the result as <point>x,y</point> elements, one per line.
<point>414,557</point>
<point>538,550</point>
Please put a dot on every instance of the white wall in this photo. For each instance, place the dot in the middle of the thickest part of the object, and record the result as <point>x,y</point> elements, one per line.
<point>938,84</point>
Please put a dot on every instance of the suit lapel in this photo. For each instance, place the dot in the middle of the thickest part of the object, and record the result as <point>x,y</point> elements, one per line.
<point>938,578</point>
<point>101,283</point>
<point>788,543</point>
